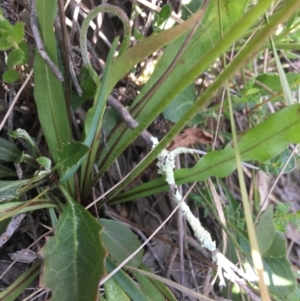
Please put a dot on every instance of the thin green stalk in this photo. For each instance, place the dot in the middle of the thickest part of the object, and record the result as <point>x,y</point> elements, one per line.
<point>93,136</point>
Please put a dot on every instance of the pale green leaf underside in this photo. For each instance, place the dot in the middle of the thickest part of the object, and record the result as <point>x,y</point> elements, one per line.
<point>120,242</point>
<point>10,189</point>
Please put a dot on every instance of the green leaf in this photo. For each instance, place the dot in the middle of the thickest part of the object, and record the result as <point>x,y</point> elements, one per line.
<point>262,142</point>
<point>10,76</point>
<point>138,36</point>
<point>275,165</point>
<point>71,154</point>
<point>265,230</point>
<point>282,217</point>
<point>165,12</point>
<point>10,189</point>
<point>48,91</point>
<point>9,209</point>
<point>279,275</point>
<point>9,152</point>
<point>163,15</point>
<point>164,290</point>
<point>45,162</point>
<point>149,287</point>
<point>93,124</point>
<point>17,33</point>
<point>74,257</point>
<point>20,133</point>
<point>89,81</point>
<point>295,296</point>
<point>272,81</point>
<point>113,291</point>
<point>15,57</point>
<point>24,47</point>
<point>127,284</point>
<point>5,26</point>
<point>180,104</point>
<point>4,45</point>
<point>120,242</point>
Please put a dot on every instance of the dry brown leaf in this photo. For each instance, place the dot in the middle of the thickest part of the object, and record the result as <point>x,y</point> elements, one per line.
<point>190,136</point>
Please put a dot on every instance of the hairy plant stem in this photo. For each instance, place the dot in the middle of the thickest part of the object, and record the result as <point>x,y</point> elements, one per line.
<point>105,8</point>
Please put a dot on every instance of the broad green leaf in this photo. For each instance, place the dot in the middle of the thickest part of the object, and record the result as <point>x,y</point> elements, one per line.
<point>74,257</point>
<point>261,143</point>
<point>272,244</point>
<point>181,104</point>
<point>138,36</point>
<point>278,271</point>
<point>165,12</point>
<point>20,133</point>
<point>17,287</point>
<point>190,7</point>
<point>164,290</point>
<point>149,287</point>
<point>15,57</point>
<point>6,172</point>
<point>9,209</point>
<point>45,162</point>
<point>4,45</point>
<point>5,26</point>
<point>113,291</point>
<point>128,285</point>
<point>275,165</point>
<point>24,47</point>
<point>10,76</point>
<point>17,33</point>
<point>48,91</point>
<point>282,217</point>
<point>120,242</point>
<point>295,296</point>
<point>71,154</point>
<point>265,231</point>
<point>272,81</point>
<point>163,15</point>
<point>10,189</point>
<point>89,81</point>
<point>189,292</point>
